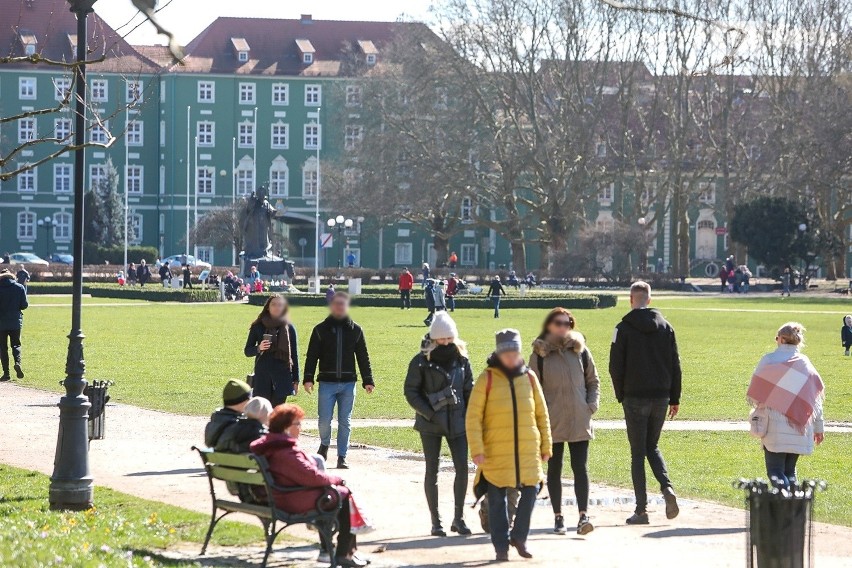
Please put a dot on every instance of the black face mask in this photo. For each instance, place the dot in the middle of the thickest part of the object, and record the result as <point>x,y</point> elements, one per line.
<point>444,355</point>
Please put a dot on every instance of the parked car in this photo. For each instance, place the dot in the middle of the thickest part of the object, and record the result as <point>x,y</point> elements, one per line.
<point>175,261</point>
<point>27,258</point>
<point>60,258</point>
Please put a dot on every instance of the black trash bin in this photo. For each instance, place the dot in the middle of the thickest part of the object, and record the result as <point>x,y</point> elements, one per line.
<point>780,519</point>
<point>98,398</point>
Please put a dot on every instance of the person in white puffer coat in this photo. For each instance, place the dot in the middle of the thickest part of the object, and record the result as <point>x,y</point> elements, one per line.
<point>788,393</point>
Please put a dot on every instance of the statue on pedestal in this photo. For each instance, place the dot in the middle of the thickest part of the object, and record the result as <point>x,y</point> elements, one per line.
<point>256,224</point>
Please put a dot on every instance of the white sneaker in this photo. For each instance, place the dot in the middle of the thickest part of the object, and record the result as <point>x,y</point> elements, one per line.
<point>323,558</point>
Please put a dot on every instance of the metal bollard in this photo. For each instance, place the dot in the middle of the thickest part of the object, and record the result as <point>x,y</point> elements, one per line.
<point>98,397</point>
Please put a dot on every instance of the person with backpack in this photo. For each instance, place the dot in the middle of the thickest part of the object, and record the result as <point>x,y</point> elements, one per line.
<point>569,380</point>
<point>437,387</point>
<point>508,431</point>
<point>13,302</point>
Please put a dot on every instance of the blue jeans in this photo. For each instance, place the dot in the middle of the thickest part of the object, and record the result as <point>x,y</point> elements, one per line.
<point>498,516</point>
<point>780,467</point>
<point>342,395</point>
<point>451,303</point>
<point>496,301</point>
<point>644,418</point>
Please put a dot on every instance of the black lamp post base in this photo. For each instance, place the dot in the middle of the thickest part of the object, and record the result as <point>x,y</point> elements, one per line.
<point>72,486</point>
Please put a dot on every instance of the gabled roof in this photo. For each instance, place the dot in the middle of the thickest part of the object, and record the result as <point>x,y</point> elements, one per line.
<point>52,26</point>
<point>277,46</point>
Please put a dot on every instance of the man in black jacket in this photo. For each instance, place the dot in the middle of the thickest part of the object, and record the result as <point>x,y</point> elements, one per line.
<point>227,426</point>
<point>336,343</point>
<point>166,274</point>
<point>13,301</point>
<point>645,369</point>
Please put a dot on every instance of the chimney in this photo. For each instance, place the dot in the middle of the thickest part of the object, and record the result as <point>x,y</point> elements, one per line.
<point>307,19</point>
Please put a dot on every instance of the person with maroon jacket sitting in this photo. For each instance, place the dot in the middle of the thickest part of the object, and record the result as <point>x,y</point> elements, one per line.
<point>291,466</point>
<point>406,284</point>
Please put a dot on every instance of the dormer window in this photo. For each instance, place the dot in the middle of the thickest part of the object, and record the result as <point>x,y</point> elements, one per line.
<point>307,50</point>
<point>368,48</point>
<point>28,41</point>
<point>241,48</point>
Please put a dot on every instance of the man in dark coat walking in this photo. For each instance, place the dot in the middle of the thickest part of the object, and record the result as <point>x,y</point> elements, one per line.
<point>13,301</point>
<point>143,272</point>
<point>166,274</point>
<point>336,344</point>
<point>645,367</point>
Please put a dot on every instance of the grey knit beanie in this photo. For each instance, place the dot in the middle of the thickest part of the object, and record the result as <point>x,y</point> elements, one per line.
<point>508,340</point>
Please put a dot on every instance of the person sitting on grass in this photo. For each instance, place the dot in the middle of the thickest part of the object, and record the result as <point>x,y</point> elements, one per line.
<point>292,466</point>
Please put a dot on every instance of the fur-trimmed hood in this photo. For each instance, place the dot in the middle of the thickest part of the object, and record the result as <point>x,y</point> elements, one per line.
<point>544,346</point>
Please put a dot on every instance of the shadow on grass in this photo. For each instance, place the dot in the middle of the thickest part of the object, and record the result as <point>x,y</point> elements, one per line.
<point>686,531</point>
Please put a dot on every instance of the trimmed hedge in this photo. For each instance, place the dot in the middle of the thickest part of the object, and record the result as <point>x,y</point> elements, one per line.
<point>94,253</point>
<point>151,293</point>
<point>574,302</point>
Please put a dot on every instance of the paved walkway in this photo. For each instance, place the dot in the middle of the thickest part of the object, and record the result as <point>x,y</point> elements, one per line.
<point>147,454</point>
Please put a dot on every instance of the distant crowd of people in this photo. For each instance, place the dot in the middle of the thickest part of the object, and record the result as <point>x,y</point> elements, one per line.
<point>517,416</point>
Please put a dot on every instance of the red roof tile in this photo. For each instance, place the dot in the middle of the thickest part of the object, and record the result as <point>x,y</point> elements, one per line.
<point>276,44</point>
<point>51,23</point>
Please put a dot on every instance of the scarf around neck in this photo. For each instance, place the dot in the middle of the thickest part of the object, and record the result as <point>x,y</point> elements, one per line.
<point>792,387</point>
<point>280,328</point>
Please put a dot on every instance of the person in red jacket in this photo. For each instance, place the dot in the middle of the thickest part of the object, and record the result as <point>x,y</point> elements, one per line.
<point>452,288</point>
<point>406,283</point>
<point>291,466</point>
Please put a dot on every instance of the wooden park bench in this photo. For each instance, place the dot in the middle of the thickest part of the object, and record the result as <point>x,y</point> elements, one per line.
<point>253,470</point>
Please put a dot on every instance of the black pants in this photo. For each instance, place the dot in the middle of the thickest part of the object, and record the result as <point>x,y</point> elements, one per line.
<point>432,453</point>
<point>346,541</point>
<point>405,296</point>
<point>579,452</point>
<point>645,419</point>
<point>187,283</point>
<point>10,337</point>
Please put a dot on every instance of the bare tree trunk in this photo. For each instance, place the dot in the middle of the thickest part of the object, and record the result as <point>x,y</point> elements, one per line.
<point>519,254</point>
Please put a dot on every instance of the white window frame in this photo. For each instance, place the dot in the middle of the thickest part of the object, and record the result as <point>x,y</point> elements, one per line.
<point>133,89</point>
<point>279,140</point>
<point>135,226</point>
<point>352,136</point>
<point>205,253</point>
<point>206,92</point>
<point>205,131</point>
<point>28,181</point>
<point>62,88</point>
<point>246,135</point>
<point>247,93</point>
<point>62,227</point>
<point>62,128</point>
<point>354,94</point>
<point>600,148</point>
<point>205,180</point>
<point>310,179</point>
<point>606,193</point>
<point>403,254</point>
<point>280,94</point>
<point>466,250</point>
<point>313,95</point>
<point>243,56</point>
<point>99,91</point>
<point>134,176</point>
<point>27,88</point>
<point>135,135</point>
<point>467,210</point>
<point>27,129</point>
<point>371,59</point>
<point>245,177</point>
<point>97,174</point>
<point>313,139</point>
<point>279,178</point>
<point>63,178</point>
<point>162,133</point>
<point>26,226</point>
<point>98,133</point>
<point>307,58</point>
<point>707,193</point>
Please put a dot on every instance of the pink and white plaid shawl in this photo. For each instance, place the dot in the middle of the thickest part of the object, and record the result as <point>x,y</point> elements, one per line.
<point>792,387</point>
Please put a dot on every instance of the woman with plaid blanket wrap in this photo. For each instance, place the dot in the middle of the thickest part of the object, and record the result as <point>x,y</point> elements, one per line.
<point>787,394</point>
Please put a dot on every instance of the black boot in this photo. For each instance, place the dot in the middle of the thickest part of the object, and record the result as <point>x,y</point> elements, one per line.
<point>19,372</point>
<point>459,526</point>
<point>323,451</point>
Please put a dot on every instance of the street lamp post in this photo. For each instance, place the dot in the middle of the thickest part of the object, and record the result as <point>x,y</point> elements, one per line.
<point>340,222</point>
<point>47,224</point>
<point>71,485</point>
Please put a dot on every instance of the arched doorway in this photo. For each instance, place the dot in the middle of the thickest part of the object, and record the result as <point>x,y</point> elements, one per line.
<point>705,239</point>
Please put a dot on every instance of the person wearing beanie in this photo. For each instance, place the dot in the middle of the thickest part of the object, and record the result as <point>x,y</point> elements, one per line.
<point>846,334</point>
<point>224,429</point>
<point>438,387</point>
<point>13,302</point>
<point>508,431</point>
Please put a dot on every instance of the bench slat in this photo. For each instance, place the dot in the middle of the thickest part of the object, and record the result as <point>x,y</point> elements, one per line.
<point>237,507</point>
<point>237,475</point>
<point>239,461</point>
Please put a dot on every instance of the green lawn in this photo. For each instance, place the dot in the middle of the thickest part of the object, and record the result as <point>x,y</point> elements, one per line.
<point>702,465</point>
<point>121,531</point>
<point>175,357</point>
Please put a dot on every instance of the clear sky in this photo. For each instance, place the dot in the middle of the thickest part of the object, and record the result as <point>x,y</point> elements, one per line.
<point>186,18</point>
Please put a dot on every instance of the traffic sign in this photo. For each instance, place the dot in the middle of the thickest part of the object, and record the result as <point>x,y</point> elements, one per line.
<point>326,240</point>
<point>721,231</point>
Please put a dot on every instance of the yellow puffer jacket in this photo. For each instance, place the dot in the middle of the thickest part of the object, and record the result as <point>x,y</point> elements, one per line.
<point>512,437</point>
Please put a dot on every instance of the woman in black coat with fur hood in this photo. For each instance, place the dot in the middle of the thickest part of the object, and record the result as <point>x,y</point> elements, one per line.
<point>438,387</point>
